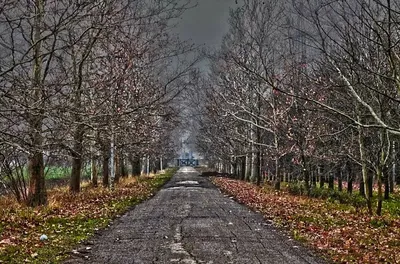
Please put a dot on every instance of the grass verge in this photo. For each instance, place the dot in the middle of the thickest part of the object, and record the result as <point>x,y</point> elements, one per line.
<point>341,232</point>
<point>68,219</point>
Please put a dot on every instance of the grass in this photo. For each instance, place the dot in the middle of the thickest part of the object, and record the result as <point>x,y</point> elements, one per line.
<point>341,232</point>
<point>68,219</point>
<point>389,207</point>
<point>58,172</point>
<point>53,172</point>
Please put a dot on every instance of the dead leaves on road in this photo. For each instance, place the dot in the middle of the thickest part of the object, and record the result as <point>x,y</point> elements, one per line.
<point>338,231</point>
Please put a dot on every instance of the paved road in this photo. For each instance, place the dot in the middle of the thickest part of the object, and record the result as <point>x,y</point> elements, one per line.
<point>190,221</point>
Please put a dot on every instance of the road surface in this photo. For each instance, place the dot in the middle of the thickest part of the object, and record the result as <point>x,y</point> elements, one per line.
<point>190,221</point>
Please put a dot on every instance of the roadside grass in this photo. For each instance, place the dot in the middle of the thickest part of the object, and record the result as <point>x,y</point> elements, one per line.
<point>68,219</point>
<point>342,232</point>
<point>390,206</point>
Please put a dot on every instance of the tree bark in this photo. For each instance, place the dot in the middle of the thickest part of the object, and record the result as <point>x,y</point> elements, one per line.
<point>362,186</point>
<point>277,184</point>
<point>37,194</point>
<point>135,164</point>
<point>339,173</point>
<point>93,172</point>
<point>124,171</point>
<point>306,173</point>
<point>106,160</point>
<point>314,177</point>
<point>118,168</point>
<point>364,169</point>
<point>243,168</point>
<point>349,177</point>
<point>392,178</point>
<point>386,183</point>
<point>380,198</point>
<point>75,180</point>
<point>321,177</point>
<point>331,180</point>
<point>277,180</point>
<point>248,166</point>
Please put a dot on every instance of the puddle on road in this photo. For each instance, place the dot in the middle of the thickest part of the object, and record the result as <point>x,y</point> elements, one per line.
<point>186,188</point>
<point>188,183</point>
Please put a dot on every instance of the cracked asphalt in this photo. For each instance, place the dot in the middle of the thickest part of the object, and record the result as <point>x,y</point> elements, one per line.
<point>190,221</point>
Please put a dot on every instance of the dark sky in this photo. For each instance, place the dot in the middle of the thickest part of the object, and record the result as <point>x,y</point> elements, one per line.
<point>207,23</point>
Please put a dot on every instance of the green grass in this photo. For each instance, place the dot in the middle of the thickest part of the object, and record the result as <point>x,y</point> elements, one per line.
<point>52,172</point>
<point>55,172</point>
<point>392,206</point>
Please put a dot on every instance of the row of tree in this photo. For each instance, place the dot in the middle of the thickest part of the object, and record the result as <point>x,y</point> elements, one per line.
<point>87,80</point>
<point>307,90</point>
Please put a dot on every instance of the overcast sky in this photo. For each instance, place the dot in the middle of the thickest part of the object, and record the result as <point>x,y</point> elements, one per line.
<point>207,23</point>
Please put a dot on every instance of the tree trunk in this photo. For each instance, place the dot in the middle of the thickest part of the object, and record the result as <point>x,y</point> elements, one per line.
<point>349,177</point>
<point>93,172</point>
<point>387,184</point>
<point>112,160</point>
<point>306,173</point>
<point>277,180</point>
<point>75,180</point>
<point>37,194</point>
<point>234,168</point>
<point>364,169</point>
<point>148,166</point>
<point>314,177</point>
<point>248,166</point>
<point>243,169</point>
<point>331,180</point>
<point>106,160</point>
<point>135,163</point>
<point>340,179</point>
<point>256,169</point>
<point>117,166</point>
<point>380,198</point>
<point>392,178</point>
<point>321,177</point>
<point>362,186</point>
<point>156,165</point>
<point>124,171</point>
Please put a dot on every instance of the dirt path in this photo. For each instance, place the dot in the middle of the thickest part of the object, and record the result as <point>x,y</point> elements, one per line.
<point>190,221</point>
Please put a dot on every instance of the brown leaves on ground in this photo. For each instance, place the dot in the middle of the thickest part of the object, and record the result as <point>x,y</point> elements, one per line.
<point>21,226</point>
<point>338,231</point>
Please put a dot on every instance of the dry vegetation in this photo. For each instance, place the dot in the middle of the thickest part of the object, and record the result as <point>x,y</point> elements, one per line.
<point>342,232</point>
<point>67,220</point>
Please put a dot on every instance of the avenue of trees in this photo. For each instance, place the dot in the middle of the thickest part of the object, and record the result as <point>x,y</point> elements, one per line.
<point>88,83</point>
<point>308,91</point>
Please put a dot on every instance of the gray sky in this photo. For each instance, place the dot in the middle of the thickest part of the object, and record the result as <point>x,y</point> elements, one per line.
<point>207,23</point>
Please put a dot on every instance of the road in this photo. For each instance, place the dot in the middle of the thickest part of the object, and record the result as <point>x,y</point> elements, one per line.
<point>190,221</point>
